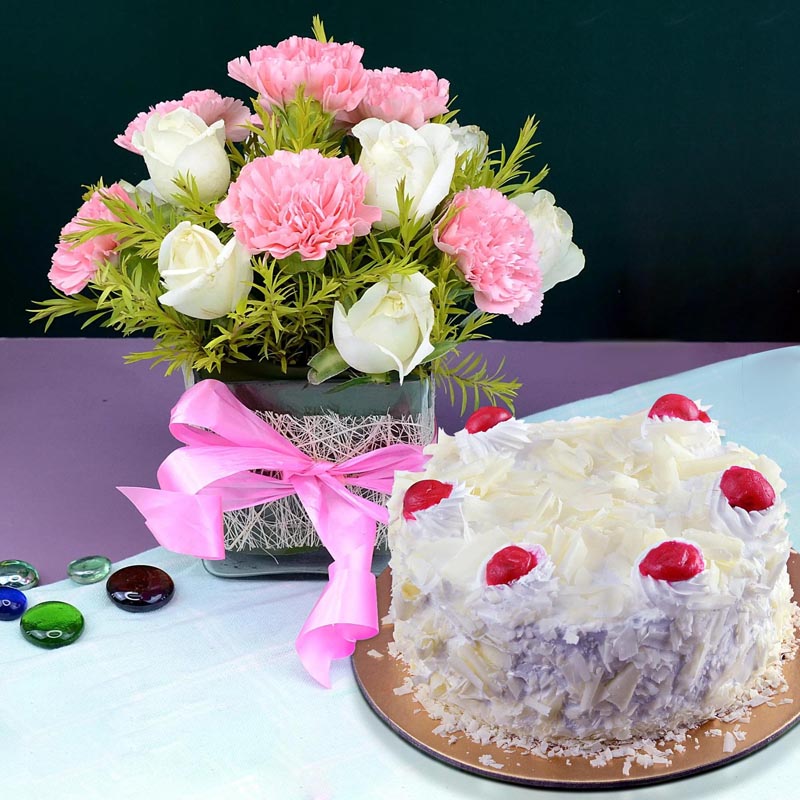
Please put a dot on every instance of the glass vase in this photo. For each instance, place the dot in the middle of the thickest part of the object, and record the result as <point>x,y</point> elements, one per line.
<point>329,422</point>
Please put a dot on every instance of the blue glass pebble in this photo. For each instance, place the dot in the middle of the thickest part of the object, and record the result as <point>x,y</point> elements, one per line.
<point>18,574</point>
<point>12,603</point>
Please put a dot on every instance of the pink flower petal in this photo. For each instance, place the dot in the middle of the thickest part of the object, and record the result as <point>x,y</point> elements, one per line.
<point>74,265</point>
<point>394,96</point>
<point>492,242</point>
<point>331,73</point>
<point>298,203</point>
<point>207,104</point>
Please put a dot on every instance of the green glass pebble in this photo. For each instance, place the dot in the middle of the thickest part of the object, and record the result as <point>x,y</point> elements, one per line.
<point>18,574</point>
<point>52,624</point>
<point>90,569</point>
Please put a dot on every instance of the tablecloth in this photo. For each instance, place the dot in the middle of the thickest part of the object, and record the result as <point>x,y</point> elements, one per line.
<point>205,698</point>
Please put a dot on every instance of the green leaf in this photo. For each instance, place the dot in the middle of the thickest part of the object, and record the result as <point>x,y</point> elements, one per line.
<point>470,378</point>
<point>294,264</point>
<point>326,364</point>
<point>439,350</point>
<point>318,29</point>
<point>382,377</point>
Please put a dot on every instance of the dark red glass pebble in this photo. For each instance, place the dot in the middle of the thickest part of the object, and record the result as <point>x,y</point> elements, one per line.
<point>509,564</point>
<point>485,418</point>
<point>140,588</point>
<point>747,488</point>
<point>678,406</point>
<point>424,494</point>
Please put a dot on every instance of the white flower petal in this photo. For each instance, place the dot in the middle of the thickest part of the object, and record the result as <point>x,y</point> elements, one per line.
<point>390,334</point>
<point>568,267</point>
<point>180,143</point>
<point>204,278</point>
<point>423,158</point>
<point>559,258</point>
<point>362,355</point>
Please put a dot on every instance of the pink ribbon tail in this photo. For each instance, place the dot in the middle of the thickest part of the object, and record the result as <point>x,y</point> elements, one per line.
<point>183,523</point>
<point>346,612</point>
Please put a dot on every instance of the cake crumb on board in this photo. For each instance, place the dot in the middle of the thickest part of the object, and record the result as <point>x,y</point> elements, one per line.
<point>406,688</point>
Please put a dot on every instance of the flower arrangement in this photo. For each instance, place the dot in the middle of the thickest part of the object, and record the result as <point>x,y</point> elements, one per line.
<point>346,225</point>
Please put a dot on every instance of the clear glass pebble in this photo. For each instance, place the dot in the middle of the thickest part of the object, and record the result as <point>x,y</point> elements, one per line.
<point>90,569</point>
<point>52,624</point>
<point>12,603</point>
<point>18,574</point>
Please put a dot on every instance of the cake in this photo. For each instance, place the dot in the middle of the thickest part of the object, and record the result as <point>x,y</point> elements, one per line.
<point>589,581</point>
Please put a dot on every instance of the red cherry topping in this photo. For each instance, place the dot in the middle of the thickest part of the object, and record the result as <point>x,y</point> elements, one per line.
<point>424,494</point>
<point>747,489</point>
<point>679,407</point>
<point>509,564</point>
<point>485,418</point>
<point>672,561</point>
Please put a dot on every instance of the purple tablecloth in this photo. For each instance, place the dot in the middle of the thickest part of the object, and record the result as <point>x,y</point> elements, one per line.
<point>77,422</point>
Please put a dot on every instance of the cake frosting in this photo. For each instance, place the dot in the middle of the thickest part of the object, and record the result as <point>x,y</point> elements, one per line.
<point>588,644</point>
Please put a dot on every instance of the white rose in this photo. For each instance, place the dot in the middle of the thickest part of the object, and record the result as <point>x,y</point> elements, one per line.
<point>180,143</point>
<point>388,328</point>
<point>393,151</point>
<point>470,137</point>
<point>205,279</point>
<point>560,258</point>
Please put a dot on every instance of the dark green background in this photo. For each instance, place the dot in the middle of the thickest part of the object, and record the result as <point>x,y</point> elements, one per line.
<point>672,131</point>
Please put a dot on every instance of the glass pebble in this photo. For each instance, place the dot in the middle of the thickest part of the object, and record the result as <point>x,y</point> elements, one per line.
<point>18,574</point>
<point>90,569</point>
<point>12,603</point>
<point>140,588</point>
<point>52,624</point>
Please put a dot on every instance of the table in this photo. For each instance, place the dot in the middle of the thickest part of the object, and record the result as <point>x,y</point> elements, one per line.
<point>230,710</point>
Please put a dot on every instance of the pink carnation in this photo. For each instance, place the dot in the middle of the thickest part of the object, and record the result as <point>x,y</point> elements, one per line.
<point>395,96</point>
<point>298,203</point>
<point>331,73</point>
<point>207,104</point>
<point>74,265</point>
<point>493,244</point>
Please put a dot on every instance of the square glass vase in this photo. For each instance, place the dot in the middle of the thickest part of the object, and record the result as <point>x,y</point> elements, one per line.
<point>329,422</point>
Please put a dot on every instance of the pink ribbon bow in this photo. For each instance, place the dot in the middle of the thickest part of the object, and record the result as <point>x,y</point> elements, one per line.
<point>213,473</point>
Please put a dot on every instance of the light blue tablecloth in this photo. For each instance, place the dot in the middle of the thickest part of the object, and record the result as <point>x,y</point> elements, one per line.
<point>205,699</point>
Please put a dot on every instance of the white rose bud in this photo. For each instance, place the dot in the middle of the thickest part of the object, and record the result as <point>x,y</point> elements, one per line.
<point>393,151</point>
<point>470,138</point>
<point>205,279</point>
<point>559,257</point>
<point>388,328</point>
<point>180,143</point>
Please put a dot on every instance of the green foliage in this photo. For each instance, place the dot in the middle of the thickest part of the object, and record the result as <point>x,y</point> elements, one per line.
<point>318,29</point>
<point>299,125</point>
<point>285,321</point>
<point>504,171</point>
<point>470,378</point>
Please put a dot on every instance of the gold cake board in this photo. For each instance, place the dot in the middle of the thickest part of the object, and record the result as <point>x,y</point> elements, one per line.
<point>378,677</point>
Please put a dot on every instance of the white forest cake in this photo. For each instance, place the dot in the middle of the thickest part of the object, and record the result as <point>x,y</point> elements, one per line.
<point>594,580</point>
